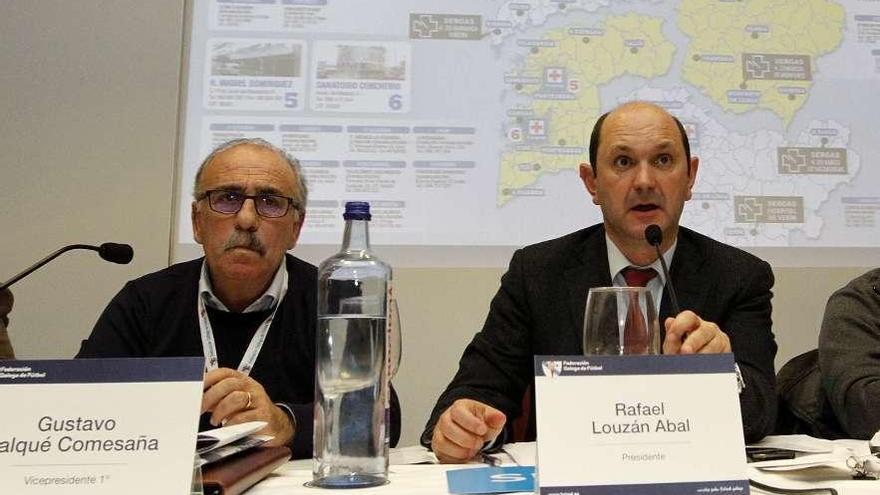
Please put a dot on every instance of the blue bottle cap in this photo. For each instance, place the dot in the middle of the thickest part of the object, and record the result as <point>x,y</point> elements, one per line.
<point>357,210</point>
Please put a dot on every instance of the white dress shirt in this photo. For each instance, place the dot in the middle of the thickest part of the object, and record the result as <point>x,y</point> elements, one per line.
<point>617,262</point>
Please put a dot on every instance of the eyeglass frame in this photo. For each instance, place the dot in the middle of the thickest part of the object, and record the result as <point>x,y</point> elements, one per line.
<point>291,202</point>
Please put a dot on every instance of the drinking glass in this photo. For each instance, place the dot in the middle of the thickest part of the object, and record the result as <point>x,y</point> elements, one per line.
<point>621,321</point>
<point>350,440</point>
<point>354,344</point>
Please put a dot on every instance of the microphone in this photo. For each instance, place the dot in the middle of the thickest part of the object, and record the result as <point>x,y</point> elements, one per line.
<point>109,251</point>
<point>654,236</point>
<point>116,253</point>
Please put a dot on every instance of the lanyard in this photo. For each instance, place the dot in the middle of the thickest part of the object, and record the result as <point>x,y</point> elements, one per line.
<point>253,350</point>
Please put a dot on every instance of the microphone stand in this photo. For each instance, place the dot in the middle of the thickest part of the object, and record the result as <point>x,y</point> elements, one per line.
<point>654,236</point>
<point>669,289</point>
<point>45,260</point>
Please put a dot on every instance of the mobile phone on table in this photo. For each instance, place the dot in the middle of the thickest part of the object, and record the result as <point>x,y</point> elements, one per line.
<point>756,454</point>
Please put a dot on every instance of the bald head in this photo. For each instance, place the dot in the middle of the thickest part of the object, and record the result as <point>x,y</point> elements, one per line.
<point>641,174</point>
<point>633,106</point>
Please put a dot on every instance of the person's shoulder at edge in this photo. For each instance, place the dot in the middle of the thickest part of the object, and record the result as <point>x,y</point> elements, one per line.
<point>863,283</point>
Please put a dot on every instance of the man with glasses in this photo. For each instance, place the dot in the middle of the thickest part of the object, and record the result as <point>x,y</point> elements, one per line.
<point>247,306</point>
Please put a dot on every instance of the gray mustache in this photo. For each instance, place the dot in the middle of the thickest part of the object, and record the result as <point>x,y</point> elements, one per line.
<point>244,239</point>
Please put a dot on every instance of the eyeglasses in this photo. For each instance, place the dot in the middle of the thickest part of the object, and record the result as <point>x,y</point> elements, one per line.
<point>267,205</point>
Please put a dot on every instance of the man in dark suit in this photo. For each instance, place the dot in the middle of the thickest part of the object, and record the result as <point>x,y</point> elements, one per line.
<point>640,173</point>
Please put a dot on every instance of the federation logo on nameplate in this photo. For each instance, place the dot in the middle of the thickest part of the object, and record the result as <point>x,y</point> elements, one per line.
<point>634,425</point>
<point>99,426</point>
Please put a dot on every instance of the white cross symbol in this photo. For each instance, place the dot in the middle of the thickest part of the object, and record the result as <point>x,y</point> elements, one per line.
<point>757,67</point>
<point>750,210</point>
<point>794,161</point>
<point>425,26</point>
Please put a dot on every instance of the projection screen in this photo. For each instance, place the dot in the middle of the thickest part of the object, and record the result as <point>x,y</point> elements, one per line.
<point>464,122</point>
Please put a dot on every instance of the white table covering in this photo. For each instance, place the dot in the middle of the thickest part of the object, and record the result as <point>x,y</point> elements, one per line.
<point>430,479</point>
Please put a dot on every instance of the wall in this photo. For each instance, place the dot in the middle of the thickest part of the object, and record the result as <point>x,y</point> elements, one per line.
<point>87,137</point>
<point>89,106</point>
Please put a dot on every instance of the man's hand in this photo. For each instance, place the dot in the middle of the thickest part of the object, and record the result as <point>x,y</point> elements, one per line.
<point>463,428</point>
<point>233,397</point>
<point>5,306</point>
<point>687,333</point>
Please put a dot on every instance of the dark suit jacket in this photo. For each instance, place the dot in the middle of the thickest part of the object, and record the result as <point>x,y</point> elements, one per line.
<point>539,309</point>
<point>848,355</point>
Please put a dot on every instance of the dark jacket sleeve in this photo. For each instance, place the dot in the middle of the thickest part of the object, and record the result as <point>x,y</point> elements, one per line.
<point>495,367</point>
<point>849,355</point>
<point>748,325</point>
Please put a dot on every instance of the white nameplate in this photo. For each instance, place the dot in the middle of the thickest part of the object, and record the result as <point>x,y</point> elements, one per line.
<point>99,426</point>
<point>634,425</point>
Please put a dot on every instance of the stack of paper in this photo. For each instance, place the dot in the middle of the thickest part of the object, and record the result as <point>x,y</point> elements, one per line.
<point>219,443</point>
<point>808,452</point>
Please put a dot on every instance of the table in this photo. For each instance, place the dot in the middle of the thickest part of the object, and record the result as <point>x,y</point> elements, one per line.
<point>430,479</point>
<point>838,478</point>
<point>427,479</point>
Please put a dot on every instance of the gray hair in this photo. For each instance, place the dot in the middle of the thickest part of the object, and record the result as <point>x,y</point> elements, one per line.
<point>301,191</point>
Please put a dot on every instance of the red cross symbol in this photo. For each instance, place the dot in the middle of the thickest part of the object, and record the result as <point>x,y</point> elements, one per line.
<point>536,127</point>
<point>554,75</point>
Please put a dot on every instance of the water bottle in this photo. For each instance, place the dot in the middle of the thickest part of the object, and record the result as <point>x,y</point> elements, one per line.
<point>351,371</point>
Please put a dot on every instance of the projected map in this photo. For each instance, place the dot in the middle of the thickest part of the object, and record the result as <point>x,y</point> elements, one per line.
<point>464,122</point>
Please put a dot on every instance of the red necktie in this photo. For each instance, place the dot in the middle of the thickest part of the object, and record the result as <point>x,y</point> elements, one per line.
<point>635,332</point>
